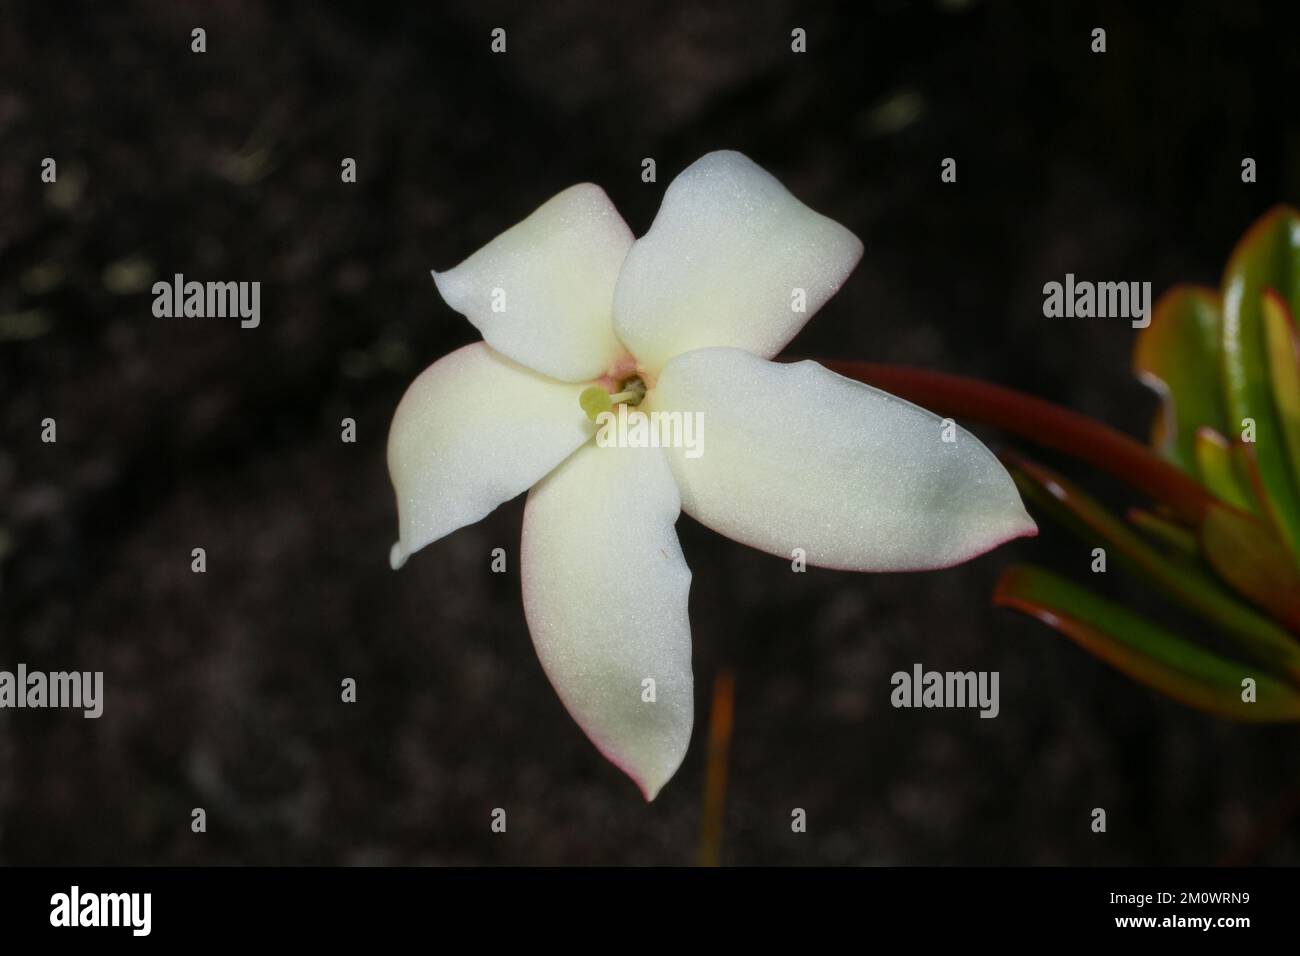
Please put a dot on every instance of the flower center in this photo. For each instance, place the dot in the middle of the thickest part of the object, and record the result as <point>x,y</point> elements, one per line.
<point>595,400</point>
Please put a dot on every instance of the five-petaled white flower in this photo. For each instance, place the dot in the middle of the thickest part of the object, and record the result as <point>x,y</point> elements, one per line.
<point>684,319</point>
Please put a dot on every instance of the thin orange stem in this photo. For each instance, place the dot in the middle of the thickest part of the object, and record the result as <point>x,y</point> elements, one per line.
<point>715,775</point>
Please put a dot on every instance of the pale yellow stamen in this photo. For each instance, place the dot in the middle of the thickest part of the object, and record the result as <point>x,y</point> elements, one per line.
<point>595,400</point>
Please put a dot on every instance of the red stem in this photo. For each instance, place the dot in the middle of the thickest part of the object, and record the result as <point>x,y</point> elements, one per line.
<point>1049,425</point>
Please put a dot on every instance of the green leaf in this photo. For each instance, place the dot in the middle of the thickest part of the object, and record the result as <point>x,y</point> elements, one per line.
<point>1268,257</point>
<point>1220,470</point>
<point>1265,509</point>
<point>1192,587</point>
<point>1243,552</point>
<point>1179,356</point>
<point>1145,652</point>
<point>1178,537</point>
<point>1283,340</point>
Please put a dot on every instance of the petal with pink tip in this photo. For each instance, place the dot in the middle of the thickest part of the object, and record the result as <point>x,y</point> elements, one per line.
<point>795,456</point>
<point>605,587</point>
<point>542,292</point>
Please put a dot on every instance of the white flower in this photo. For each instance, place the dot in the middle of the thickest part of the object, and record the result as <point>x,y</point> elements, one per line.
<point>689,315</point>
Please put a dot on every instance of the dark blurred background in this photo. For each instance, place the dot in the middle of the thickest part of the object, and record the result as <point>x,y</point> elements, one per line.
<point>222,689</point>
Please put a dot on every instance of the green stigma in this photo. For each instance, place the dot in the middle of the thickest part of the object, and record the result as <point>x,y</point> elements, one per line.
<point>595,400</point>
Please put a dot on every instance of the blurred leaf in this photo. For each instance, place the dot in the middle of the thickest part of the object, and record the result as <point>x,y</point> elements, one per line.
<point>1283,340</point>
<point>1143,651</point>
<point>1246,555</point>
<point>1220,471</point>
<point>1179,356</point>
<point>1265,508</point>
<point>1185,583</point>
<point>1267,257</point>
<point>1177,536</point>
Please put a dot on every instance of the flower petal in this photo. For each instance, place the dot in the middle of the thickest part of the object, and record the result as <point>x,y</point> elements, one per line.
<point>795,456</point>
<point>474,430</point>
<point>721,261</point>
<point>542,291</point>
<point>605,588</point>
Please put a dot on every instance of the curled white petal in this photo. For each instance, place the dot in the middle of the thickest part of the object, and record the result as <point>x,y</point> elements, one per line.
<point>797,457</point>
<point>473,430</point>
<point>542,291</point>
<point>605,587</point>
<point>731,259</point>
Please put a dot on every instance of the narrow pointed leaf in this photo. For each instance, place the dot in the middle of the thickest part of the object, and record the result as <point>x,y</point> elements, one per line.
<point>1265,507</point>
<point>1218,469</point>
<point>1145,652</point>
<point>1177,536</point>
<point>1283,340</point>
<point>1194,588</point>
<point>1244,553</point>
<point>1179,356</point>
<point>1268,257</point>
